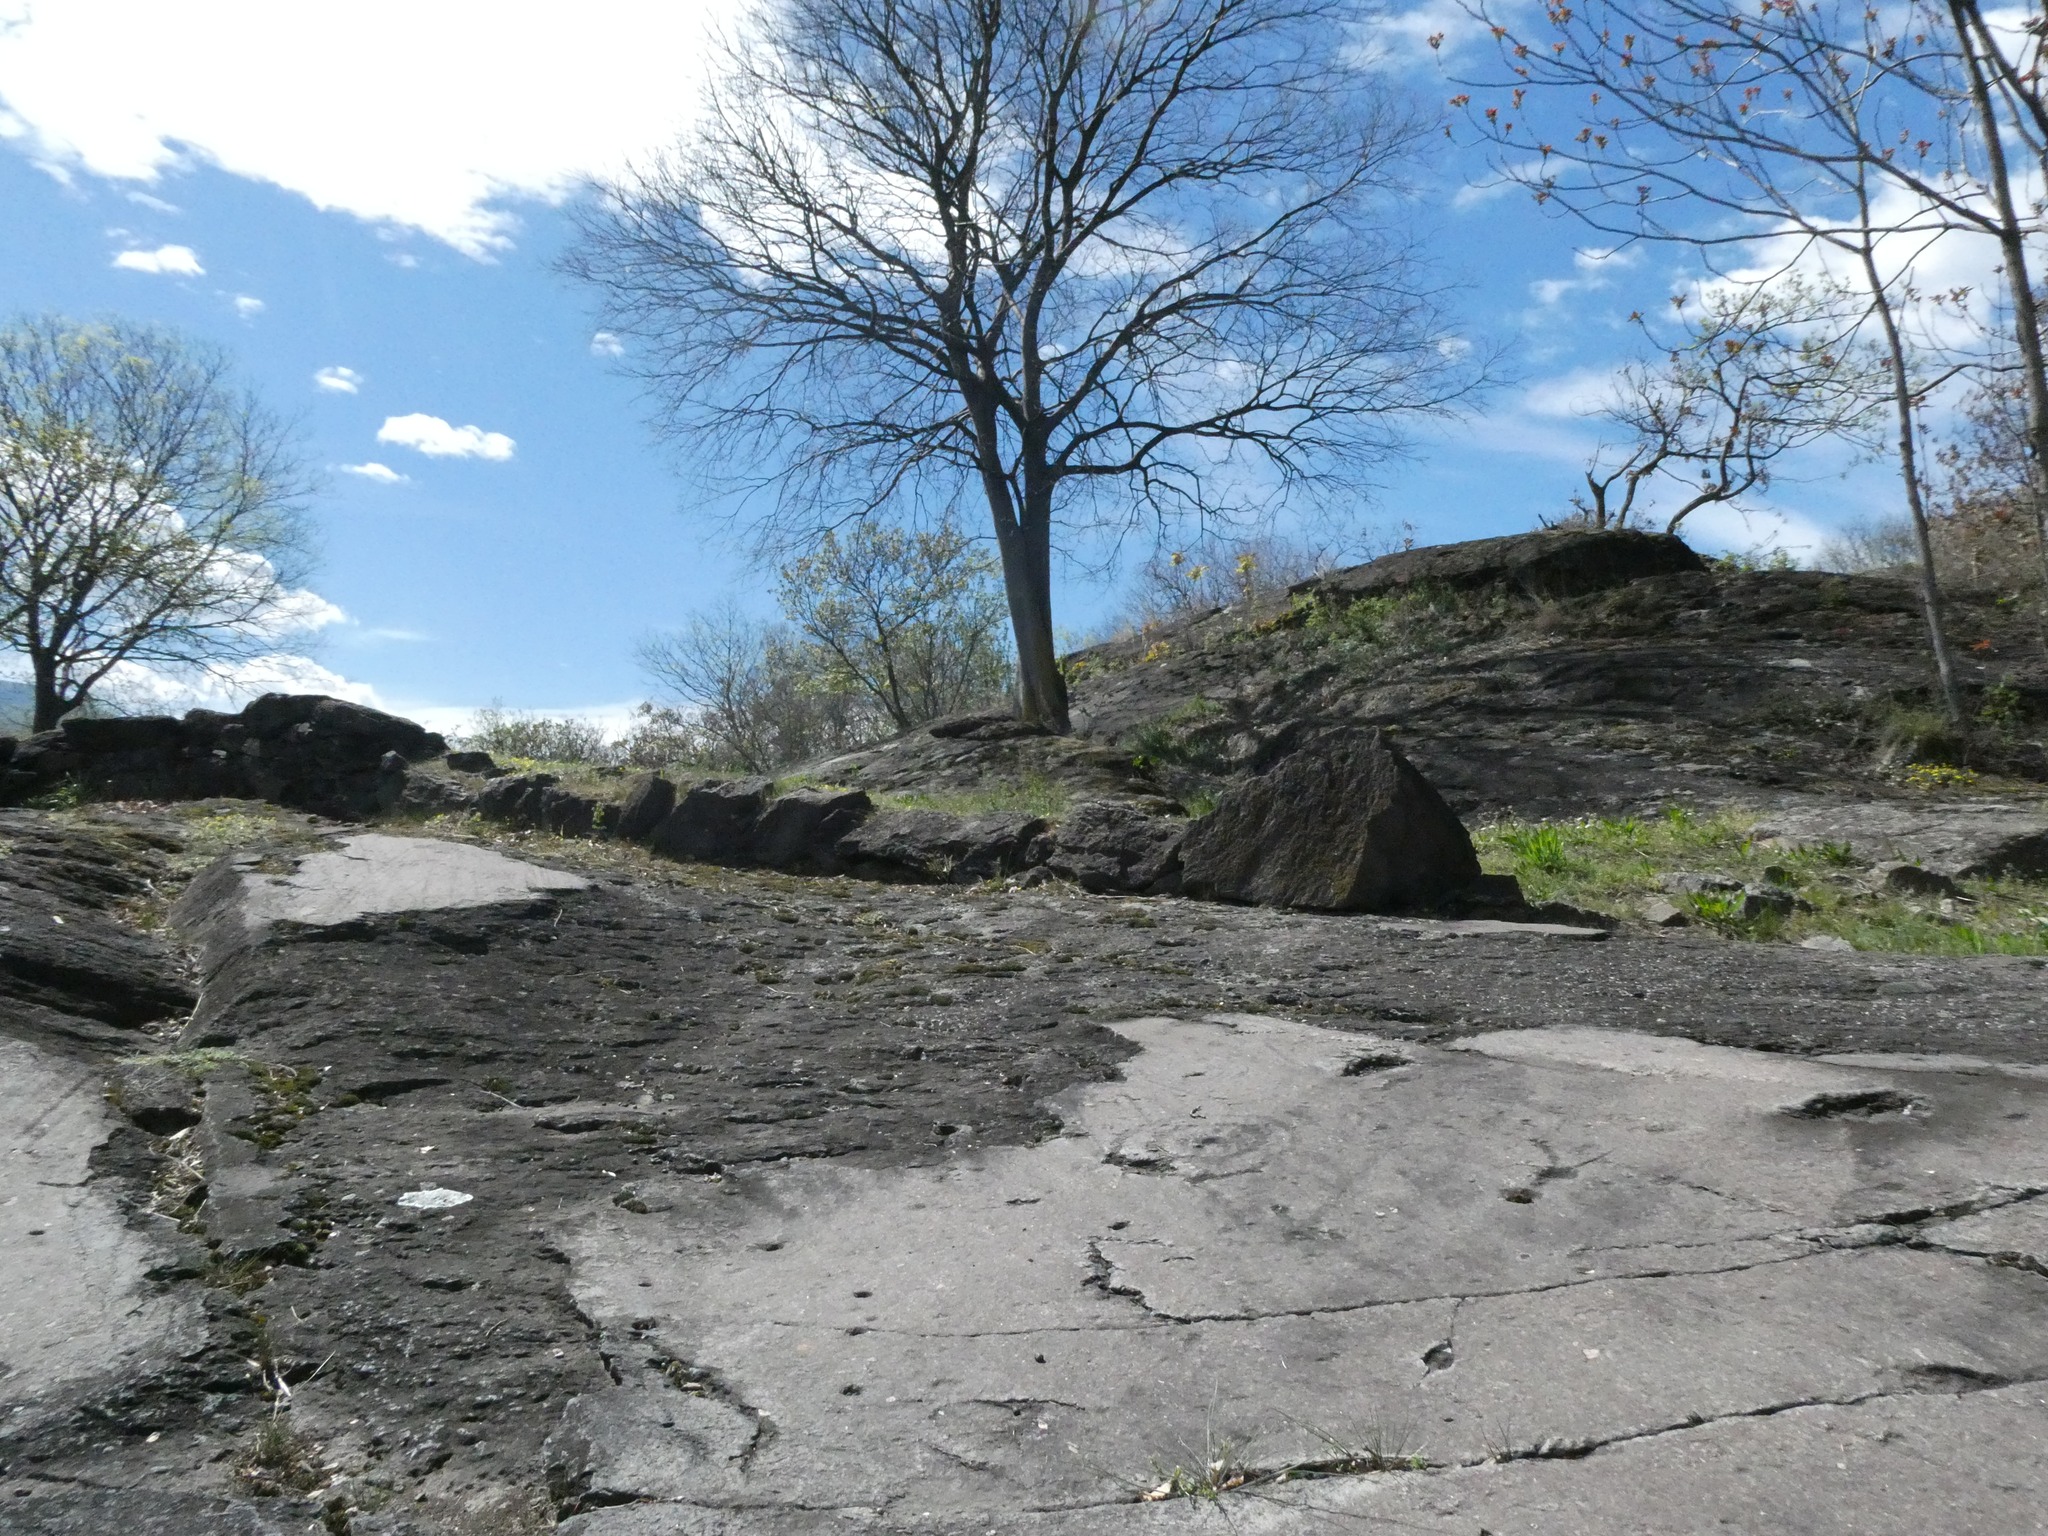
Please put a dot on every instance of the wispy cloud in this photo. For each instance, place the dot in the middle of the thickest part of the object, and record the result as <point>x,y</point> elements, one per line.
<point>437,439</point>
<point>165,260</point>
<point>343,381</point>
<point>605,344</point>
<point>247,307</point>
<point>383,474</point>
<point>472,112</point>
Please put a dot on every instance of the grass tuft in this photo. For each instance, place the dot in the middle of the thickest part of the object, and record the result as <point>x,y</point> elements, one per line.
<point>1613,866</point>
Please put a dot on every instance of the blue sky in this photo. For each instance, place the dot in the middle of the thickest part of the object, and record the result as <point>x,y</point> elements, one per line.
<point>383,189</point>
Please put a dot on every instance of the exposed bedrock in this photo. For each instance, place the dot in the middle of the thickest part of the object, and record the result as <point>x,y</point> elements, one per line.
<point>305,751</point>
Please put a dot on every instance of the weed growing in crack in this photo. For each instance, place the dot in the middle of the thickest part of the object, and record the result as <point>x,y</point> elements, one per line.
<point>1210,1479</point>
<point>280,1461</point>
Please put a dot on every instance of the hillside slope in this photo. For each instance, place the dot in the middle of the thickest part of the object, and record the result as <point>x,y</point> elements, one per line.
<point>1713,686</point>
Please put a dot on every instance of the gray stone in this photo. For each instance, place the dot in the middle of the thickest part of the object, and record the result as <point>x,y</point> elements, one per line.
<point>566,814</point>
<point>364,876</point>
<point>1760,899</point>
<point>1689,883</point>
<point>1110,845</point>
<point>937,845</point>
<point>1828,941</point>
<point>1662,914</point>
<point>801,831</point>
<point>473,762</point>
<point>158,1098</point>
<point>1912,880</point>
<point>649,798</point>
<point>75,1303</point>
<point>713,823</point>
<point>1344,823</point>
<point>1634,1257</point>
<point>516,800</point>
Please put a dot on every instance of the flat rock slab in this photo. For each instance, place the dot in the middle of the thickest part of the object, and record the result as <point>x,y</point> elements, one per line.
<point>76,1306</point>
<point>1570,1281</point>
<point>1954,837</point>
<point>374,873</point>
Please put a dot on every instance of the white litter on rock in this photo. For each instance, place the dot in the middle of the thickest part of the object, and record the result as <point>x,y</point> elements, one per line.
<point>433,1199</point>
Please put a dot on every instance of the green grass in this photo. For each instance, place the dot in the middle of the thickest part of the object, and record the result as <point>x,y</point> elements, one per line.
<point>1035,795</point>
<point>1612,866</point>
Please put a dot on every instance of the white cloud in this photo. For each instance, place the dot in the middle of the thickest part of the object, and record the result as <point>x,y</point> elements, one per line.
<point>248,308</point>
<point>155,204</point>
<point>438,440</point>
<point>383,474</point>
<point>152,690</point>
<point>1582,392</point>
<point>168,260</point>
<point>605,344</point>
<point>343,381</point>
<point>1753,529</point>
<point>1603,258</point>
<point>476,103</point>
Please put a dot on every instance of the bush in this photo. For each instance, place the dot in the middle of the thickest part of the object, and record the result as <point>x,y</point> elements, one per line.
<point>543,738</point>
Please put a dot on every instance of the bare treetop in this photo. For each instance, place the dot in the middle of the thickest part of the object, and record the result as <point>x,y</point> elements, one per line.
<point>149,511</point>
<point>1092,261</point>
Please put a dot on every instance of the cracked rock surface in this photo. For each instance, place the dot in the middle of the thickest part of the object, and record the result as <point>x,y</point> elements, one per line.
<point>485,1195</point>
<point>1557,1243</point>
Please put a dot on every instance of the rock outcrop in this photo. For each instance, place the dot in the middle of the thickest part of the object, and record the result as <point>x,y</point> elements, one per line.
<point>1111,845</point>
<point>305,751</point>
<point>1342,824</point>
<point>1552,563</point>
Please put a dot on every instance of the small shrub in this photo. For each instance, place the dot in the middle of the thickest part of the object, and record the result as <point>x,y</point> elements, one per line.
<point>540,738</point>
<point>1538,848</point>
<point>1932,776</point>
<point>2004,708</point>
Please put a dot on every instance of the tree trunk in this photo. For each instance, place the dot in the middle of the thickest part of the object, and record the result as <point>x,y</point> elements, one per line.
<point>50,704</point>
<point>2013,249</point>
<point>1909,473</point>
<point>1026,546</point>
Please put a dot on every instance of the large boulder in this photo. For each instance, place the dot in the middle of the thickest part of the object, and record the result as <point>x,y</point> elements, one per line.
<point>1112,845</point>
<point>800,831</point>
<point>713,823</point>
<point>1551,563</point>
<point>649,798</point>
<point>937,845</point>
<point>1342,824</point>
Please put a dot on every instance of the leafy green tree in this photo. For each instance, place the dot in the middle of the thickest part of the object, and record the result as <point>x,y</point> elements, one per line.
<point>914,619</point>
<point>149,509</point>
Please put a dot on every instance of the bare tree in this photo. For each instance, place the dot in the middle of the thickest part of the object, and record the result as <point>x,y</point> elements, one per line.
<point>1764,371</point>
<point>760,698</point>
<point>912,618</point>
<point>1826,127</point>
<point>148,510</point>
<point>1095,260</point>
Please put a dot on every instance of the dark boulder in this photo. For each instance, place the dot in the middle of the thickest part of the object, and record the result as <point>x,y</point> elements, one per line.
<point>139,733</point>
<point>937,845</point>
<point>567,814</point>
<point>1111,845</point>
<point>312,717</point>
<point>516,800</point>
<point>801,830</point>
<point>713,823</point>
<point>473,762</point>
<point>1552,563</point>
<point>648,799</point>
<point>1344,824</point>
